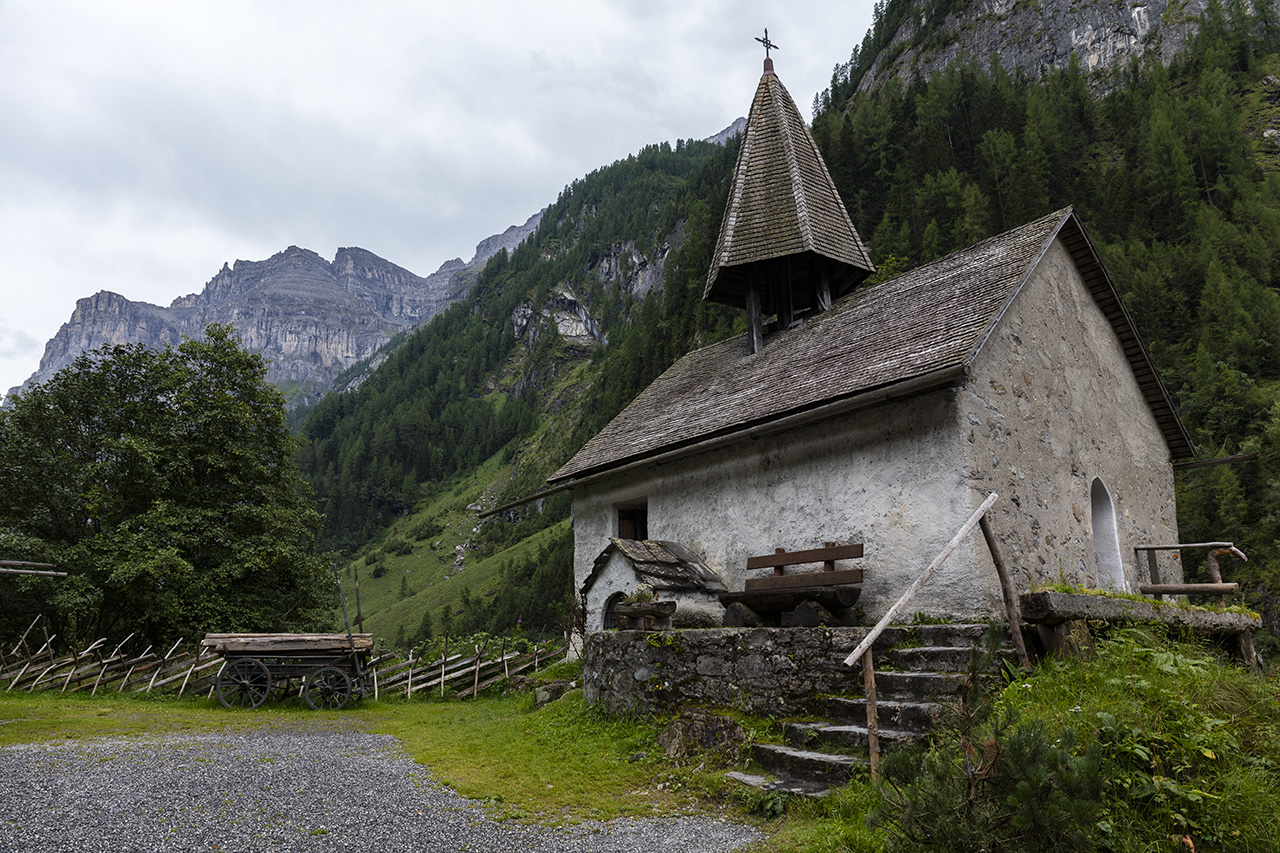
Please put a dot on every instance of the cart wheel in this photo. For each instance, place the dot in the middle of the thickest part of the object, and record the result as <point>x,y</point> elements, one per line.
<point>328,689</point>
<point>244,683</point>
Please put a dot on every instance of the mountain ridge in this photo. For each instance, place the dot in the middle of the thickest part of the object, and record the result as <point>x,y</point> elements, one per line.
<point>311,318</point>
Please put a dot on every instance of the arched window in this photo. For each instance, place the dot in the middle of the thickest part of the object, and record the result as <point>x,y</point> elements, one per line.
<point>609,620</point>
<point>1106,539</point>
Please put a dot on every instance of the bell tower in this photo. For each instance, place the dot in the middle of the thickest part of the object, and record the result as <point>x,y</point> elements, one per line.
<point>787,246</point>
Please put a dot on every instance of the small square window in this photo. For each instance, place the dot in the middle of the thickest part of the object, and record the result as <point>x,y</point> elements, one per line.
<point>633,521</point>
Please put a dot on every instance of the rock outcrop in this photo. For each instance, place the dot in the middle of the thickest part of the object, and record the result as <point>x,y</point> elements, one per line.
<point>312,319</point>
<point>1033,37</point>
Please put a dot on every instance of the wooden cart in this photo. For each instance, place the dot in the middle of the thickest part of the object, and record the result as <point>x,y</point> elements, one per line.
<point>327,669</point>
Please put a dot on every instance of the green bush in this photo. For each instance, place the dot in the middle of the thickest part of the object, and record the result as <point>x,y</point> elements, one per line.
<point>1150,744</point>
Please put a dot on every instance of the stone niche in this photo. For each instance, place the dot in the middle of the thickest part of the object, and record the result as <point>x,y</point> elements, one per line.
<point>758,670</point>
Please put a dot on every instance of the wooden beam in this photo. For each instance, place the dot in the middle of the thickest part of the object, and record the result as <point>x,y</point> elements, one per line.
<point>1221,460</point>
<point>1187,545</point>
<point>1006,588</point>
<point>806,579</point>
<point>1189,588</point>
<point>755,324</point>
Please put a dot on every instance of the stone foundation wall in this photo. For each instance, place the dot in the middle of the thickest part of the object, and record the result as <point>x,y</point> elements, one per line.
<point>759,670</point>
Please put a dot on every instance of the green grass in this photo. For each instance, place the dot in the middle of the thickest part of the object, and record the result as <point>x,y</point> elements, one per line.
<point>33,718</point>
<point>565,759</point>
<point>835,824</point>
<point>429,567</point>
<point>561,763</point>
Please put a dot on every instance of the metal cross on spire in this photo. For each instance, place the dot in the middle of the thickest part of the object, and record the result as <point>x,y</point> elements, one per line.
<point>768,45</point>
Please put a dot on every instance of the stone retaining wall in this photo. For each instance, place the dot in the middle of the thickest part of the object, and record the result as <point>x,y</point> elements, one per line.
<point>760,670</point>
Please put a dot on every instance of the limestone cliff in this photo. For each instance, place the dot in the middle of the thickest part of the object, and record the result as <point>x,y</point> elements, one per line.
<point>311,318</point>
<point>1035,35</point>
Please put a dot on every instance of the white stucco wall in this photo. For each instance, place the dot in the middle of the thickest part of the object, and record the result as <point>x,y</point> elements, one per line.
<point>1049,406</point>
<point>693,609</point>
<point>891,477</point>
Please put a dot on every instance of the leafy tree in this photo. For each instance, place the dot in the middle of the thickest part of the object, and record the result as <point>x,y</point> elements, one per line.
<point>161,481</point>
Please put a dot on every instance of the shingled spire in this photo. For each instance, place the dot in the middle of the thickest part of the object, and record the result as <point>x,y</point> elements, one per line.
<point>786,243</point>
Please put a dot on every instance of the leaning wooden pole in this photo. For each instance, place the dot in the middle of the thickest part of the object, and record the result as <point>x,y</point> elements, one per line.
<point>874,633</point>
<point>873,728</point>
<point>1006,589</point>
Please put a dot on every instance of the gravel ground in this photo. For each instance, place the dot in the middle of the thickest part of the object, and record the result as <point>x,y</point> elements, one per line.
<point>282,790</point>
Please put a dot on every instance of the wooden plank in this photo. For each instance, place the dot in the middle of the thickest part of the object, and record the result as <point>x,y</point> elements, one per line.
<point>813,555</point>
<point>1181,546</point>
<point>276,644</point>
<point>805,579</point>
<point>1190,588</point>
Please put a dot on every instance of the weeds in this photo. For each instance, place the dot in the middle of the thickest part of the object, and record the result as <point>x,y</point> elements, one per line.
<point>1148,742</point>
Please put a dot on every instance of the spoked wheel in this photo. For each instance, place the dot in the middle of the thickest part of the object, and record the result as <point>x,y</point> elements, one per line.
<point>328,689</point>
<point>244,683</point>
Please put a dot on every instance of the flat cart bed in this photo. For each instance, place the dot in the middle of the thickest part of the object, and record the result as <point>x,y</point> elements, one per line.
<point>327,669</point>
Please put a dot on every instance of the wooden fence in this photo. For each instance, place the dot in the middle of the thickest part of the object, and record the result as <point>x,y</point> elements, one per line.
<point>33,664</point>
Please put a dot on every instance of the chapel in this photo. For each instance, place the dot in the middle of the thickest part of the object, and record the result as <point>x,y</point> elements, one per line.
<point>881,413</point>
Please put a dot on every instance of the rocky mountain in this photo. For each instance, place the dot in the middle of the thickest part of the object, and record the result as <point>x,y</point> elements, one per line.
<point>311,318</point>
<point>721,138</point>
<point>924,37</point>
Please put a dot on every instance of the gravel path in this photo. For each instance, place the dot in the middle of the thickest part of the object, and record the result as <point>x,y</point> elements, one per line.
<point>282,790</point>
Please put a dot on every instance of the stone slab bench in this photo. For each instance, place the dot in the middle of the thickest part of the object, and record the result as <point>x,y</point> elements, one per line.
<point>1052,612</point>
<point>800,599</point>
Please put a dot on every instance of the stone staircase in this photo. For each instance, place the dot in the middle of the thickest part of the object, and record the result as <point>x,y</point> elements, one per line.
<point>917,669</point>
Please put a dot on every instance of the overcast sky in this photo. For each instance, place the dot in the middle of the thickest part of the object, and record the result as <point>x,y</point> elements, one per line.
<point>143,144</point>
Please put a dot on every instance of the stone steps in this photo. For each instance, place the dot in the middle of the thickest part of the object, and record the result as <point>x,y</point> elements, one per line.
<point>848,736</point>
<point>807,766</point>
<point>890,713</point>
<point>937,659</point>
<point>928,664</point>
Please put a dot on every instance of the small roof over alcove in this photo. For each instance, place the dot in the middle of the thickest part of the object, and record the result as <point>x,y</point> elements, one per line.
<point>786,242</point>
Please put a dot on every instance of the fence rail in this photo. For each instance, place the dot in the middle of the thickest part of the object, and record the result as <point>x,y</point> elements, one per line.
<point>34,665</point>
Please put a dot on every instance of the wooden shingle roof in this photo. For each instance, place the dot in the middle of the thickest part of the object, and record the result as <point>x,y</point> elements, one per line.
<point>782,203</point>
<point>918,331</point>
<point>666,566</point>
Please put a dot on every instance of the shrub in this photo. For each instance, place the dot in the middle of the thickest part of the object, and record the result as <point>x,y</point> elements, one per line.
<point>1149,744</point>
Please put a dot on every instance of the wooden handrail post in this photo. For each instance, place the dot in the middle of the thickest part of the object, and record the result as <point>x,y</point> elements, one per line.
<point>874,633</point>
<point>1006,589</point>
<point>873,729</point>
<point>1154,571</point>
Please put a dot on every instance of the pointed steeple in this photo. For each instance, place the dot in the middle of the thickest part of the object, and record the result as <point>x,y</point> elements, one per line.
<point>786,242</point>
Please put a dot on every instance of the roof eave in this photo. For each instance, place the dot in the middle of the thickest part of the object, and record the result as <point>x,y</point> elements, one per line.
<point>765,426</point>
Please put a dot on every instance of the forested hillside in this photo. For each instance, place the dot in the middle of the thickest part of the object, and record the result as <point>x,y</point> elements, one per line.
<point>1172,171</point>
<point>493,378</point>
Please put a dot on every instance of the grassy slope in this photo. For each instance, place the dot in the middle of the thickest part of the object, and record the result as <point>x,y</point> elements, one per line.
<point>429,568</point>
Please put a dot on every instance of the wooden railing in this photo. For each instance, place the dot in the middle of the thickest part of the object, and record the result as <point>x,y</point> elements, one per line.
<point>100,667</point>
<point>1219,589</point>
<point>863,650</point>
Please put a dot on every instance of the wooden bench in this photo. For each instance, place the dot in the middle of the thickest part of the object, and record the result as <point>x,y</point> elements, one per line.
<point>804,599</point>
